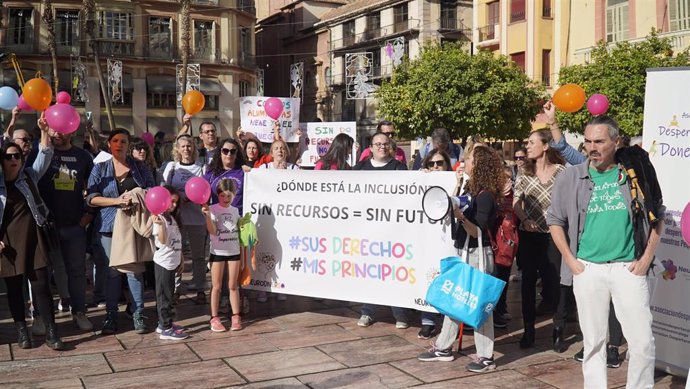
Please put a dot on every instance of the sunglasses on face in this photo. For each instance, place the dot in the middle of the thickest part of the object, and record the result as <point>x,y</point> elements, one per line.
<point>15,156</point>
<point>140,148</point>
<point>228,151</point>
<point>431,164</point>
<point>389,133</point>
<point>519,158</point>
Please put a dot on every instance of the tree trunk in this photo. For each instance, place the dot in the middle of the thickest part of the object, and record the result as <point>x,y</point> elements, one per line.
<point>184,47</point>
<point>89,29</point>
<point>49,20</point>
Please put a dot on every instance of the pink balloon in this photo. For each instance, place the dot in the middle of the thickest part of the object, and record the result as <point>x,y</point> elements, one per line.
<point>23,105</point>
<point>63,98</point>
<point>273,107</point>
<point>598,104</point>
<point>197,190</point>
<point>148,138</point>
<point>157,200</point>
<point>62,118</point>
<point>685,223</point>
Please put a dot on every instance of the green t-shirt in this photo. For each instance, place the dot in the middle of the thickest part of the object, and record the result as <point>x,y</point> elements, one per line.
<point>608,232</point>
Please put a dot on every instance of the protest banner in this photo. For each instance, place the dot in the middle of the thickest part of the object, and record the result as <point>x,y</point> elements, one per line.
<point>321,134</point>
<point>666,136</point>
<point>347,235</point>
<point>253,118</point>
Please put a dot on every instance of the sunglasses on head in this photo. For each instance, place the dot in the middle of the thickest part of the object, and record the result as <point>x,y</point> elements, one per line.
<point>15,156</point>
<point>431,164</point>
<point>228,151</point>
<point>518,158</point>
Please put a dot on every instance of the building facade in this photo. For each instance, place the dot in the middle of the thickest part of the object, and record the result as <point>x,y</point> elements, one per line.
<point>145,36</point>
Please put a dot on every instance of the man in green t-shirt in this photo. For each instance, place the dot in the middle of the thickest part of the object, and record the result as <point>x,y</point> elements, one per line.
<point>591,204</point>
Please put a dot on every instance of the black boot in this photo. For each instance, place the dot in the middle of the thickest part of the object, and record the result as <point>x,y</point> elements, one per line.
<point>52,339</point>
<point>23,340</point>
<point>527,340</point>
<point>558,340</point>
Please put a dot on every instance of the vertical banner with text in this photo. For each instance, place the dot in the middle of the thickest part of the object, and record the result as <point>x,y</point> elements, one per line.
<point>347,235</point>
<point>666,136</point>
<point>253,118</point>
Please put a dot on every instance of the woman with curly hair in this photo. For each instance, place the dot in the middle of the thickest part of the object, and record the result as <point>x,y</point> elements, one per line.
<point>537,254</point>
<point>487,180</point>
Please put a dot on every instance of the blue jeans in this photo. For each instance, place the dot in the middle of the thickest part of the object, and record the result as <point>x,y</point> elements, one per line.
<point>400,314</point>
<point>429,318</point>
<point>100,267</point>
<point>113,283</point>
<point>73,256</point>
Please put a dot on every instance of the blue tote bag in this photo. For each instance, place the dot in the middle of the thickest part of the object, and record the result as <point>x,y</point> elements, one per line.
<point>464,293</point>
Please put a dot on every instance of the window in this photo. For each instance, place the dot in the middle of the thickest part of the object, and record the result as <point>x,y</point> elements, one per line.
<point>517,10</point>
<point>20,29</point>
<point>203,39</point>
<point>679,14</point>
<point>494,13</point>
<point>66,30</point>
<point>244,88</point>
<point>449,14</point>
<point>376,62</point>
<point>348,112</point>
<point>400,17</point>
<point>616,20</point>
<point>246,56</point>
<point>373,26</point>
<point>519,59</point>
<point>546,9</point>
<point>546,67</point>
<point>160,37</point>
<point>161,100</point>
<point>349,33</point>
<point>115,25</point>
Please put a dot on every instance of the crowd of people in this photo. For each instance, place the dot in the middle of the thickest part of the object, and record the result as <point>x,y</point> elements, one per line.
<point>574,210</point>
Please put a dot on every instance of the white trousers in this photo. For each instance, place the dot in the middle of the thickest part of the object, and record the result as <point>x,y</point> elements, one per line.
<point>594,288</point>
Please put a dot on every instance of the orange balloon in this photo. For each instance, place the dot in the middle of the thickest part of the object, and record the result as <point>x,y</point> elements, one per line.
<point>569,98</point>
<point>193,102</point>
<point>37,94</point>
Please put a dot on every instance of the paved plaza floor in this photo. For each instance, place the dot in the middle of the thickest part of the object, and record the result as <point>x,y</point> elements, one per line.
<point>298,343</point>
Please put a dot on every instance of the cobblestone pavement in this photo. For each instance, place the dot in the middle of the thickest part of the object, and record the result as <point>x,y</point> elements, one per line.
<point>298,343</point>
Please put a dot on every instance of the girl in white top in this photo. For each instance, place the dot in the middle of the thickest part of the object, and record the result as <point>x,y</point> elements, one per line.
<point>280,153</point>
<point>167,262</point>
<point>222,225</point>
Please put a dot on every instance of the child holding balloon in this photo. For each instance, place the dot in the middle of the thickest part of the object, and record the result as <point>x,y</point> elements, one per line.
<point>222,225</point>
<point>162,202</point>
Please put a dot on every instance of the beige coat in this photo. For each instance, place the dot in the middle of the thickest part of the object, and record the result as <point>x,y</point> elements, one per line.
<point>132,243</point>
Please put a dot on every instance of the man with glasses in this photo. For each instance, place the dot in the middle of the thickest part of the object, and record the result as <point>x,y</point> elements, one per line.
<point>387,128</point>
<point>20,136</point>
<point>207,134</point>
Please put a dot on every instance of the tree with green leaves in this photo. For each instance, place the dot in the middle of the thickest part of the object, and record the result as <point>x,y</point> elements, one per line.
<point>466,94</point>
<point>619,72</point>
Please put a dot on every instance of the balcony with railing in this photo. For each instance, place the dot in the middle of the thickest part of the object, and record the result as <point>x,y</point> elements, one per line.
<point>349,40</point>
<point>247,6</point>
<point>546,11</point>
<point>680,40</point>
<point>489,35</point>
<point>116,47</point>
<point>546,80</point>
<point>401,26</point>
<point>517,16</point>
<point>451,25</point>
<point>205,2</point>
<point>369,37</point>
<point>372,33</point>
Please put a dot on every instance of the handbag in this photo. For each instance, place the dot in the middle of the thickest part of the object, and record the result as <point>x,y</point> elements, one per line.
<point>48,230</point>
<point>462,292</point>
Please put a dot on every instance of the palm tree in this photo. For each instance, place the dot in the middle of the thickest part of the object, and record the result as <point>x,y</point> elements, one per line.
<point>89,27</point>
<point>49,20</point>
<point>186,30</point>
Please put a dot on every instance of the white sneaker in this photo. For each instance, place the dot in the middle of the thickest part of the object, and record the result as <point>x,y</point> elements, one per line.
<point>82,321</point>
<point>401,325</point>
<point>365,321</point>
<point>38,328</point>
<point>281,297</point>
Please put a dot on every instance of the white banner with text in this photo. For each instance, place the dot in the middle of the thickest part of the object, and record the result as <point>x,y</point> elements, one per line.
<point>347,235</point>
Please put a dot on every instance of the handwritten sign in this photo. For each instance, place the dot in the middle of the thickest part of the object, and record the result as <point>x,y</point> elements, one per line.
<point>253,118</point>
<point>321,134</point>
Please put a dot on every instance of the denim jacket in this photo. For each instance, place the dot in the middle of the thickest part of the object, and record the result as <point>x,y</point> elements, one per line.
<point>102,182</point>
<point>34,173</point>
<point>569,153</point>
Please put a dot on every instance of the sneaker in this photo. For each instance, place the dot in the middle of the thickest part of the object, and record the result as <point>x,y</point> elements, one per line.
<point>426,332</point>
<point>174,326</point>
<point>109,324</point>
<point>401,325</point>
<point>38,328</point>
<point>499,321</point>
<point>236,323</point>
<point>365,321</point>
<point>434,355</point>
<point>101,304</point>
<point>281,297</point>
<point>82,321</point>
<point>173,334</point>
<point>580,356</point>
<point>139,325</point>
<point>613,358</point>
<point>63,305</point>
<point>200,298</point>
<point>481,364</point>
<point>216,325</point>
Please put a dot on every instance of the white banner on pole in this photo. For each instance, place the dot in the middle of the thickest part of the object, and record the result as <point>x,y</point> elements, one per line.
<point>253,118</point>
<point>347,235</point>
<point>321,134</point>
<point>666,136</point>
